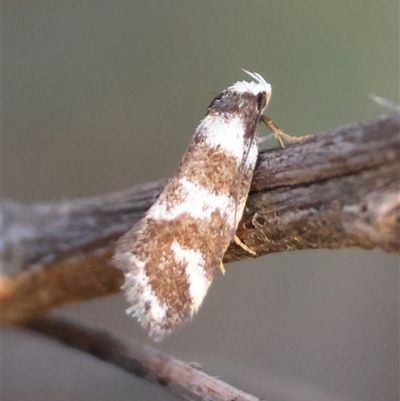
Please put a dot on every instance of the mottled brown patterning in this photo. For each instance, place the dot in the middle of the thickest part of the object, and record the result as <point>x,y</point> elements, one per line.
<point>170,256</point>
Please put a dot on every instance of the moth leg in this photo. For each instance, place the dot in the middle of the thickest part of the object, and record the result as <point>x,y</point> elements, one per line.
<point>264,138</point>
<point>221,267</point>
<point>278,133</point>
<point>244,246</point>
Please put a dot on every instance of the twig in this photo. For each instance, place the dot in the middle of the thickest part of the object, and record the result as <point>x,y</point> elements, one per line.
<point>334,190</point>
<point>173,375</point>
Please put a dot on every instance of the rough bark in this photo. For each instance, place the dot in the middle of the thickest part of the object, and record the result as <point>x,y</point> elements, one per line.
<point>334,190</point>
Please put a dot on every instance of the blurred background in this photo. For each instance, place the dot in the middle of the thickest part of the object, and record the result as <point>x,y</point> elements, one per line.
<point>98,96</point>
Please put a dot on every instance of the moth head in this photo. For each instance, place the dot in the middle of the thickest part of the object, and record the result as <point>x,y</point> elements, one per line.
<point>259,88</point>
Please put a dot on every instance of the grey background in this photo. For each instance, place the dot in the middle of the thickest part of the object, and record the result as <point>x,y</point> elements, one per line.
<point>98,96</point>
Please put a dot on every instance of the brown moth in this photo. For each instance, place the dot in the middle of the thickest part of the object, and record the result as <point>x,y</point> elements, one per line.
<point>169,257</point>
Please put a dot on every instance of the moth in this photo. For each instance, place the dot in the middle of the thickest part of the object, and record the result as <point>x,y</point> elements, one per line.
<point>170,256</point>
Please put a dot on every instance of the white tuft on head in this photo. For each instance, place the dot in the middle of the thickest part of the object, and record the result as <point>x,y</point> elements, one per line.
<point>261,85</point>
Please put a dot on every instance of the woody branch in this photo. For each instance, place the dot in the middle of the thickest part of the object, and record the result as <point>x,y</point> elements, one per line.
<point>179,378</point>
<point>334,190</point>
